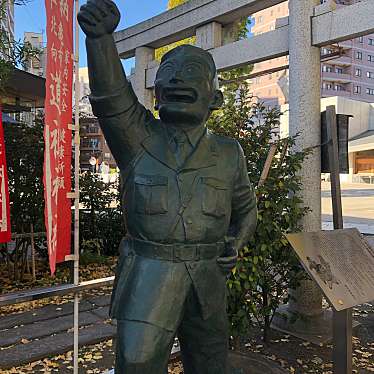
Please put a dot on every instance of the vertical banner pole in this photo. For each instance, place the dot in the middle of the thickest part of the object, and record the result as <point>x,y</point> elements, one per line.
<point>342,321</point>
<point>76,189</point>
<point>33,252</point>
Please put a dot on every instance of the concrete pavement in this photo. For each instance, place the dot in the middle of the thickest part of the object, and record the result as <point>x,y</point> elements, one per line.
<point>358,206</point>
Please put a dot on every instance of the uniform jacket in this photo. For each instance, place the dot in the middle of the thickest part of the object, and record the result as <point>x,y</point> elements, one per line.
<point>202,201</point>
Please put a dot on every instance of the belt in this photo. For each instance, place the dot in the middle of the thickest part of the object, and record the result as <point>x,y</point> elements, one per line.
<point>177,252</point>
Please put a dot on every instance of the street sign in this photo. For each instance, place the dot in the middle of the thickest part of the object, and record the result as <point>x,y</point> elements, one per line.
<point>342,126</point>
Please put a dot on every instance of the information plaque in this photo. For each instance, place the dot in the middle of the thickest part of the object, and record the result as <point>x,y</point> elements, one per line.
<point>341,262</point>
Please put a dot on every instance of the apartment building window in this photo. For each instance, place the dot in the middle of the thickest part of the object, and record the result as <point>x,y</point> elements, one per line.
<point>327,69</point>
<point>361,39</point>
<point>326,51</point>
<point>338,87</point>
<point>94,143</point>
<point>326,86</point>
<point>370,74</point>
<point>92,129</point>
<point>371,41</point>
<point>358,72</point>
<point>370,58</point>
<point>85,143</point>
<point>339,70</point>
<point>358,55</point>
<point>357,89</point>
<point>259,19</point>
<point>370,91</point>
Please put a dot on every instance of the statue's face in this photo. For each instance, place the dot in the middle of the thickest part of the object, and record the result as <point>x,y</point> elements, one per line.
<point>185,91</point>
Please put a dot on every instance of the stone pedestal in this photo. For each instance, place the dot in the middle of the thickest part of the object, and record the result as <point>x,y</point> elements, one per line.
<point>307,299</point>
<point>303,316</point>
<point>316,329</point>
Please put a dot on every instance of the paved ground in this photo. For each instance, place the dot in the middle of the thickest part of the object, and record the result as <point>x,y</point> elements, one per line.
<point>47,331</point>
<point>358,206</point>
<point>41,339</point>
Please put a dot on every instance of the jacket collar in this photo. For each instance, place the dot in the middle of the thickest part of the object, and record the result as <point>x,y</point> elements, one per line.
<point>157,145</point>
<point>193,135</point>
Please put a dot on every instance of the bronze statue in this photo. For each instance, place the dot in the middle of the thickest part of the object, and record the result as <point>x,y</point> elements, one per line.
<point>188,204</point>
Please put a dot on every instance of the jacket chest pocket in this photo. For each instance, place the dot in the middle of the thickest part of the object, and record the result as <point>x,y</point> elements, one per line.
<point>214,197</point>
<point>151,194</point>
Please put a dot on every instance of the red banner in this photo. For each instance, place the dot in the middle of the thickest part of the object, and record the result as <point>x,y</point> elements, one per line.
<point>5,234</point>
<point>57,136</point>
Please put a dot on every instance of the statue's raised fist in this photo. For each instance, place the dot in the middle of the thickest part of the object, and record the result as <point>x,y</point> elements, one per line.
<point>98,18</point>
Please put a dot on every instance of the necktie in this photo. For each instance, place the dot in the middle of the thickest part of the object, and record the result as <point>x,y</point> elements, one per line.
<point>180,147</point>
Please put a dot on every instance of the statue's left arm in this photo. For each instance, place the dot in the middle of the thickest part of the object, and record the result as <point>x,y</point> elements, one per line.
<point>243,215</point>
<point>244,206</point>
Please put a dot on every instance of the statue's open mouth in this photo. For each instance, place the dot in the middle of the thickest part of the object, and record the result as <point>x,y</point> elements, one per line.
<point>179,95</point>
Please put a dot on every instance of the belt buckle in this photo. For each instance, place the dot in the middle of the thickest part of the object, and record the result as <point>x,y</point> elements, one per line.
<point>179,252</point>
<point>187,252</point>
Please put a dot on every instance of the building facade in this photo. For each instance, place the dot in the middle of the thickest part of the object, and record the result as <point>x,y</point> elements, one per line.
<point>37,64</point>
<point>360,135</point>
<point>94,147</point>
<point>349,72</point>
<point>84,91</point>
<point>93,143</point>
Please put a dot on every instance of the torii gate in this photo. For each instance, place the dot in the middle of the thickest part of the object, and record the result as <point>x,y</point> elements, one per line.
<point>310,26</point>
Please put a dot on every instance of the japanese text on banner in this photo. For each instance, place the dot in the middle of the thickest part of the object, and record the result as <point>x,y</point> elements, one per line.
<point>57,135</point>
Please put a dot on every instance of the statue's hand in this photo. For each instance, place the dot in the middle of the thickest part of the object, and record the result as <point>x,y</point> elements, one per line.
<point>98,18</point>
<point>229,259</point>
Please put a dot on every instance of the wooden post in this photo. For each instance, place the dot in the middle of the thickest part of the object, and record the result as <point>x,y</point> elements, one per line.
<point>342,321</point>
<point>268,162</point>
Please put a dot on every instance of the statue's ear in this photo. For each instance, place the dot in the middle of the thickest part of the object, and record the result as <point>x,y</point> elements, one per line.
<point>217,100</point>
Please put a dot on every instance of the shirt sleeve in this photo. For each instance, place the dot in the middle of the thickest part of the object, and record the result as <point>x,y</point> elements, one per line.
<point>124,122</point>
<point>244,205</point>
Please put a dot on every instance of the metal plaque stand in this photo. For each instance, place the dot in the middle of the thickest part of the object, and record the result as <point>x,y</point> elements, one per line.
<point>342,321</point>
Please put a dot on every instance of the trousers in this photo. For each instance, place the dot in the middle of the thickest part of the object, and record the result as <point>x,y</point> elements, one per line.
<point>144,348</point>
